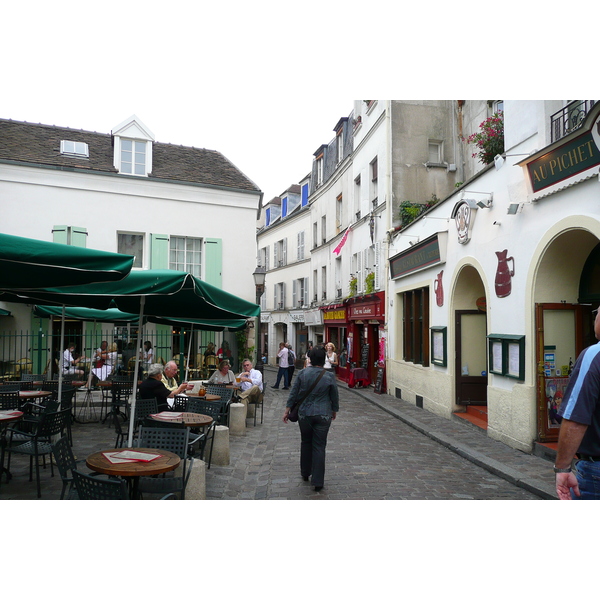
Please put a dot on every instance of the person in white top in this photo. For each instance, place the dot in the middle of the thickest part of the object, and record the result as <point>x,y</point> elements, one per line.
<point>283,368</point>
<point>251,384</point>
<point>69,364</point>
<point>331,359</point>
<point>109,356</point>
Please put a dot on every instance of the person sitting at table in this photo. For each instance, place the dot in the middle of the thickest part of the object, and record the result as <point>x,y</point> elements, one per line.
<point>168,377</point>
<point>210,350</point>
<point>69,364</point>
<point>109,358</point>
<point>251,384</point>
<point>153,387</point>
<point>147,354</point>
<point>222,374</point>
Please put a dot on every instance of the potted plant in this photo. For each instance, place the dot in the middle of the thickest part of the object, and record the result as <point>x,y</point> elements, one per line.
<point>370,283</point>
<point>352,286</point>
<point>489,139</point>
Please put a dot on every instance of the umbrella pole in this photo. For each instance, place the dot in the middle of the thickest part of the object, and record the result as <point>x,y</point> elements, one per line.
<point>135,376</point>
<point>62,345</point>
<point>187,368</point>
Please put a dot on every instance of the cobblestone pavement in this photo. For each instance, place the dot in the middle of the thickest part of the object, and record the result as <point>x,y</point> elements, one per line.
<point>379,447</point>
<point>369,457</point>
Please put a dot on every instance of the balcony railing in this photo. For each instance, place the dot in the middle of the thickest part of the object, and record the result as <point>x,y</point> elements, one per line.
<point>569,118</point>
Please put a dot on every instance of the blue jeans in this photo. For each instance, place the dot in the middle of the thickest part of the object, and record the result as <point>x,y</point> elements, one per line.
<point>588,477</point>
<point>283,372</point>
<point>313,432</point>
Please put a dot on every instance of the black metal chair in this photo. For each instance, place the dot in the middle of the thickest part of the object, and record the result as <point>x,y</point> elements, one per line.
<point>39,442</point>
<point>120,391</point>
<point>172,439</point>
<point>66,464</point>
<point>10,400</point>
<point>143,408</point>
<point>94,488</point>
<point>180,404</point>
<point>33,377</point>
<point>259,402</point>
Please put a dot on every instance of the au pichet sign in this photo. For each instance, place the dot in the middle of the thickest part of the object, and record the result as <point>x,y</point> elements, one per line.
<point>562,162</point>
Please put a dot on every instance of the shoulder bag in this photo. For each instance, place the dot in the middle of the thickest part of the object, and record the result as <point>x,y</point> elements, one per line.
<point>293,414</point>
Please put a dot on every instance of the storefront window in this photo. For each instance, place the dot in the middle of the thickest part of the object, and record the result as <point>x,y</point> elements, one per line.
<point>416,326</point>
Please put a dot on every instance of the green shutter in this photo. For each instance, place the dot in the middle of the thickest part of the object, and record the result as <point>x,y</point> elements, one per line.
<point>39,343</point>
<point>213,261</point>
<point>159,251</point>
<point>79,237</point>
<point>59,234</point>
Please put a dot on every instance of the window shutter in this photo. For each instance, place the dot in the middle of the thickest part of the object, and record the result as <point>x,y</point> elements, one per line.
<point>213,261</point>
<point>159,251</point>
<point>284,257</point>
<point>305,299</point>
<point>79,237</point>
<point>275,253</point>
<point>267,252</point>
<point>59,234</point>
<point>360,272</point>
<point>294,292</point>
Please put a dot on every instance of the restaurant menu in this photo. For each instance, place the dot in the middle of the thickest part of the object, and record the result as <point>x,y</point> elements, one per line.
<point>126,456</point>
<point>167,415</point>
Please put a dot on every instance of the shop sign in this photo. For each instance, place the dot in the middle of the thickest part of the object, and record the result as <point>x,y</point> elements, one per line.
<point>423,255</point>
<point>313,317</point>
<point>365,311</point>
<point>569,159</point>
<point>338,314</point>
<point>265,317</point>
<point>297,317</point>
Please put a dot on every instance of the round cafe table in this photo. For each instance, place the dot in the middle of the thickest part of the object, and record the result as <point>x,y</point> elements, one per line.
<point>28,394</point>
<point>209,397</point>
<point>167,461</point>
<point>187,418</point>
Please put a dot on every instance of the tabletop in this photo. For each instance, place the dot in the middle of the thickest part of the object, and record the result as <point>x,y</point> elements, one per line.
<point>187,418</point>
<point>167,461</point>
<point>8,416</point>
<point>34,393</point>
<point>209,397</point>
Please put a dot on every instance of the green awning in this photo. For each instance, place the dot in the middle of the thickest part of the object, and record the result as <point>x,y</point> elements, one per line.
<point>27,264</point>
<point>166,293</point>
<point>85,314</point>
<point>4,313</point>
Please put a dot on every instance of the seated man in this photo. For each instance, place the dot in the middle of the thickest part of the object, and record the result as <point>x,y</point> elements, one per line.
<point>168,377</point>
<point>251,384</point>
<point>153,387</point>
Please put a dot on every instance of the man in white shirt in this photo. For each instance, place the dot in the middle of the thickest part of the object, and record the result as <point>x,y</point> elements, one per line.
<point>283,368</point>
<point>251,384</point>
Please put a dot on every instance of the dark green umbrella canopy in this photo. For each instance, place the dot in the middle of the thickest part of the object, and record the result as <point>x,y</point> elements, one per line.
<point>163,292</point>
<point>26,264</point>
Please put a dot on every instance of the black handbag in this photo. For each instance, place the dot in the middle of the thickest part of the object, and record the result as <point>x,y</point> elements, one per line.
<point>293,414</point>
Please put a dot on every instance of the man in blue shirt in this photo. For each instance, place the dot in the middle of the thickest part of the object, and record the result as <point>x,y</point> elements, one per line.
<point>580,428</point>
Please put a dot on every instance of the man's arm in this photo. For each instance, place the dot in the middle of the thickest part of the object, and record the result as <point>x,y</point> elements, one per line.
<point>569,440</point>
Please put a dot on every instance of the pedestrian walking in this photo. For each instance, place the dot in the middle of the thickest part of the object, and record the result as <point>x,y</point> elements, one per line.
<point>580,428</point>
<point>291,363</point>
<point>316,411</point>
<point>283,371</point>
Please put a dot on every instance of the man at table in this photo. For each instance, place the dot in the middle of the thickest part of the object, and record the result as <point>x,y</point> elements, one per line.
<point>153,387</point>
<point>168,377</point>
<point>251,384</point>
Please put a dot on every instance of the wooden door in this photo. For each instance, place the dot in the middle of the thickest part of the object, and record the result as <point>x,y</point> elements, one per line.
<point>471,357</point>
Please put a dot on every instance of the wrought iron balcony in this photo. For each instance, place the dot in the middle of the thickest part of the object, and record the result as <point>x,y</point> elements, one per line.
<point>569,118</point>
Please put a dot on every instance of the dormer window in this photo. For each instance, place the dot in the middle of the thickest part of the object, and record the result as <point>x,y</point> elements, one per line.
<point>74,148</point>
<point>133,157</point>
<point>132,142</point>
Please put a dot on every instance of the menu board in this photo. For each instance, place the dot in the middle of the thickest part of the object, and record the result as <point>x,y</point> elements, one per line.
<point>379,380</point>
<point>364,358</point>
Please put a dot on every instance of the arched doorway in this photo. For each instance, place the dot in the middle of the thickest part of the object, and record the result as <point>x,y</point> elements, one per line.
<point>567,288</point>
<point>470,341</point>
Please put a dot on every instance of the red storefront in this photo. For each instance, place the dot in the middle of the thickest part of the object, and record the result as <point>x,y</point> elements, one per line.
<point>366,322</point>
<point>356,328</point>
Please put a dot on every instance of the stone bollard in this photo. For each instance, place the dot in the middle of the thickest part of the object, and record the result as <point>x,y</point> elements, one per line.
<point>220,449</point>
<point>237,419</point>
<point>196,487</point>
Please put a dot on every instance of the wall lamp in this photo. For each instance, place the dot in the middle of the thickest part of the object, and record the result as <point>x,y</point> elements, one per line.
<point>514,208</point>
<point>484,203</point>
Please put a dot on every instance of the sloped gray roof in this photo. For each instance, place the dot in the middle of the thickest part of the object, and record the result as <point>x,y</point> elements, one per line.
<point>40,144</point>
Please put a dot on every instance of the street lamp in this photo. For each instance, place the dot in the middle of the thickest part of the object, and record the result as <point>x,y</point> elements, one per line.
<point>259,275</point>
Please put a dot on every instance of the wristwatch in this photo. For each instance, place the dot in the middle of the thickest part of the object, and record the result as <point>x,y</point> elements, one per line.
<point>557,470</point>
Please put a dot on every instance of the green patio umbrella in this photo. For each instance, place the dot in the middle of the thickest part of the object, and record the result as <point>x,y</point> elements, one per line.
<point>109,315</point>
<point>27,263</point>
<point>160,292</point>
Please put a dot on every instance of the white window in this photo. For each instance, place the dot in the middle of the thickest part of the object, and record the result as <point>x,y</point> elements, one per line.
<point>340,145</point>
<point>74,148</point>
<point>319,171</point>
<point>436,155</point>
<point>280,253</point>
<point>132,244</point>
<point>324,229</point>
<point>133,157</point>
<point>338,213</point>
<point>263,257</point>
<point>185,254</point>
<point>300,292</point>
<point>324,282</point>
<point>279,296</point>
<point>373,186</point>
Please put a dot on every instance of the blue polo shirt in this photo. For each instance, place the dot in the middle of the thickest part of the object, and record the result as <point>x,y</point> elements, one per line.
<point>581,402</point>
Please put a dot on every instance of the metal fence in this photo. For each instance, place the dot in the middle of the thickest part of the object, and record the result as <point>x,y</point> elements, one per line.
<point>39,352</point>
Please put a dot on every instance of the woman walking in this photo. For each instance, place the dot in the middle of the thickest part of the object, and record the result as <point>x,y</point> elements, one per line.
<point>316,412</point>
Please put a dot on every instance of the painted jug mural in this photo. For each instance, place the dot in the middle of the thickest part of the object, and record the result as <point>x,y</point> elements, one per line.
<point>504,275</point>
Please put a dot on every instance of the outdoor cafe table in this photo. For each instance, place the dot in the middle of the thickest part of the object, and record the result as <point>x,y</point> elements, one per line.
<point>28,394</point>
<point>189,419</point>
<point>99,462</point>
<point>6,417</point>
<point>209,397</point>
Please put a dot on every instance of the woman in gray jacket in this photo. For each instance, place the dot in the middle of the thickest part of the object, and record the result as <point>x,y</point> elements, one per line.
<point>316,412</point>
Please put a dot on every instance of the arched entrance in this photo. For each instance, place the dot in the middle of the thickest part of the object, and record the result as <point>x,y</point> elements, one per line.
<point>470,341</point>
<point>567,288</point>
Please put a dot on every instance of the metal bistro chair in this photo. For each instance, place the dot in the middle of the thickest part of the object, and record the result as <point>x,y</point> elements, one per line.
<point>226,395</point>
<point>120,393</point>
<point>143,408</point>
<point>214,409</point>
<point>10,400</point>
<point>93,488</point>
<point>172,439</point>
<point>39,442</point>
